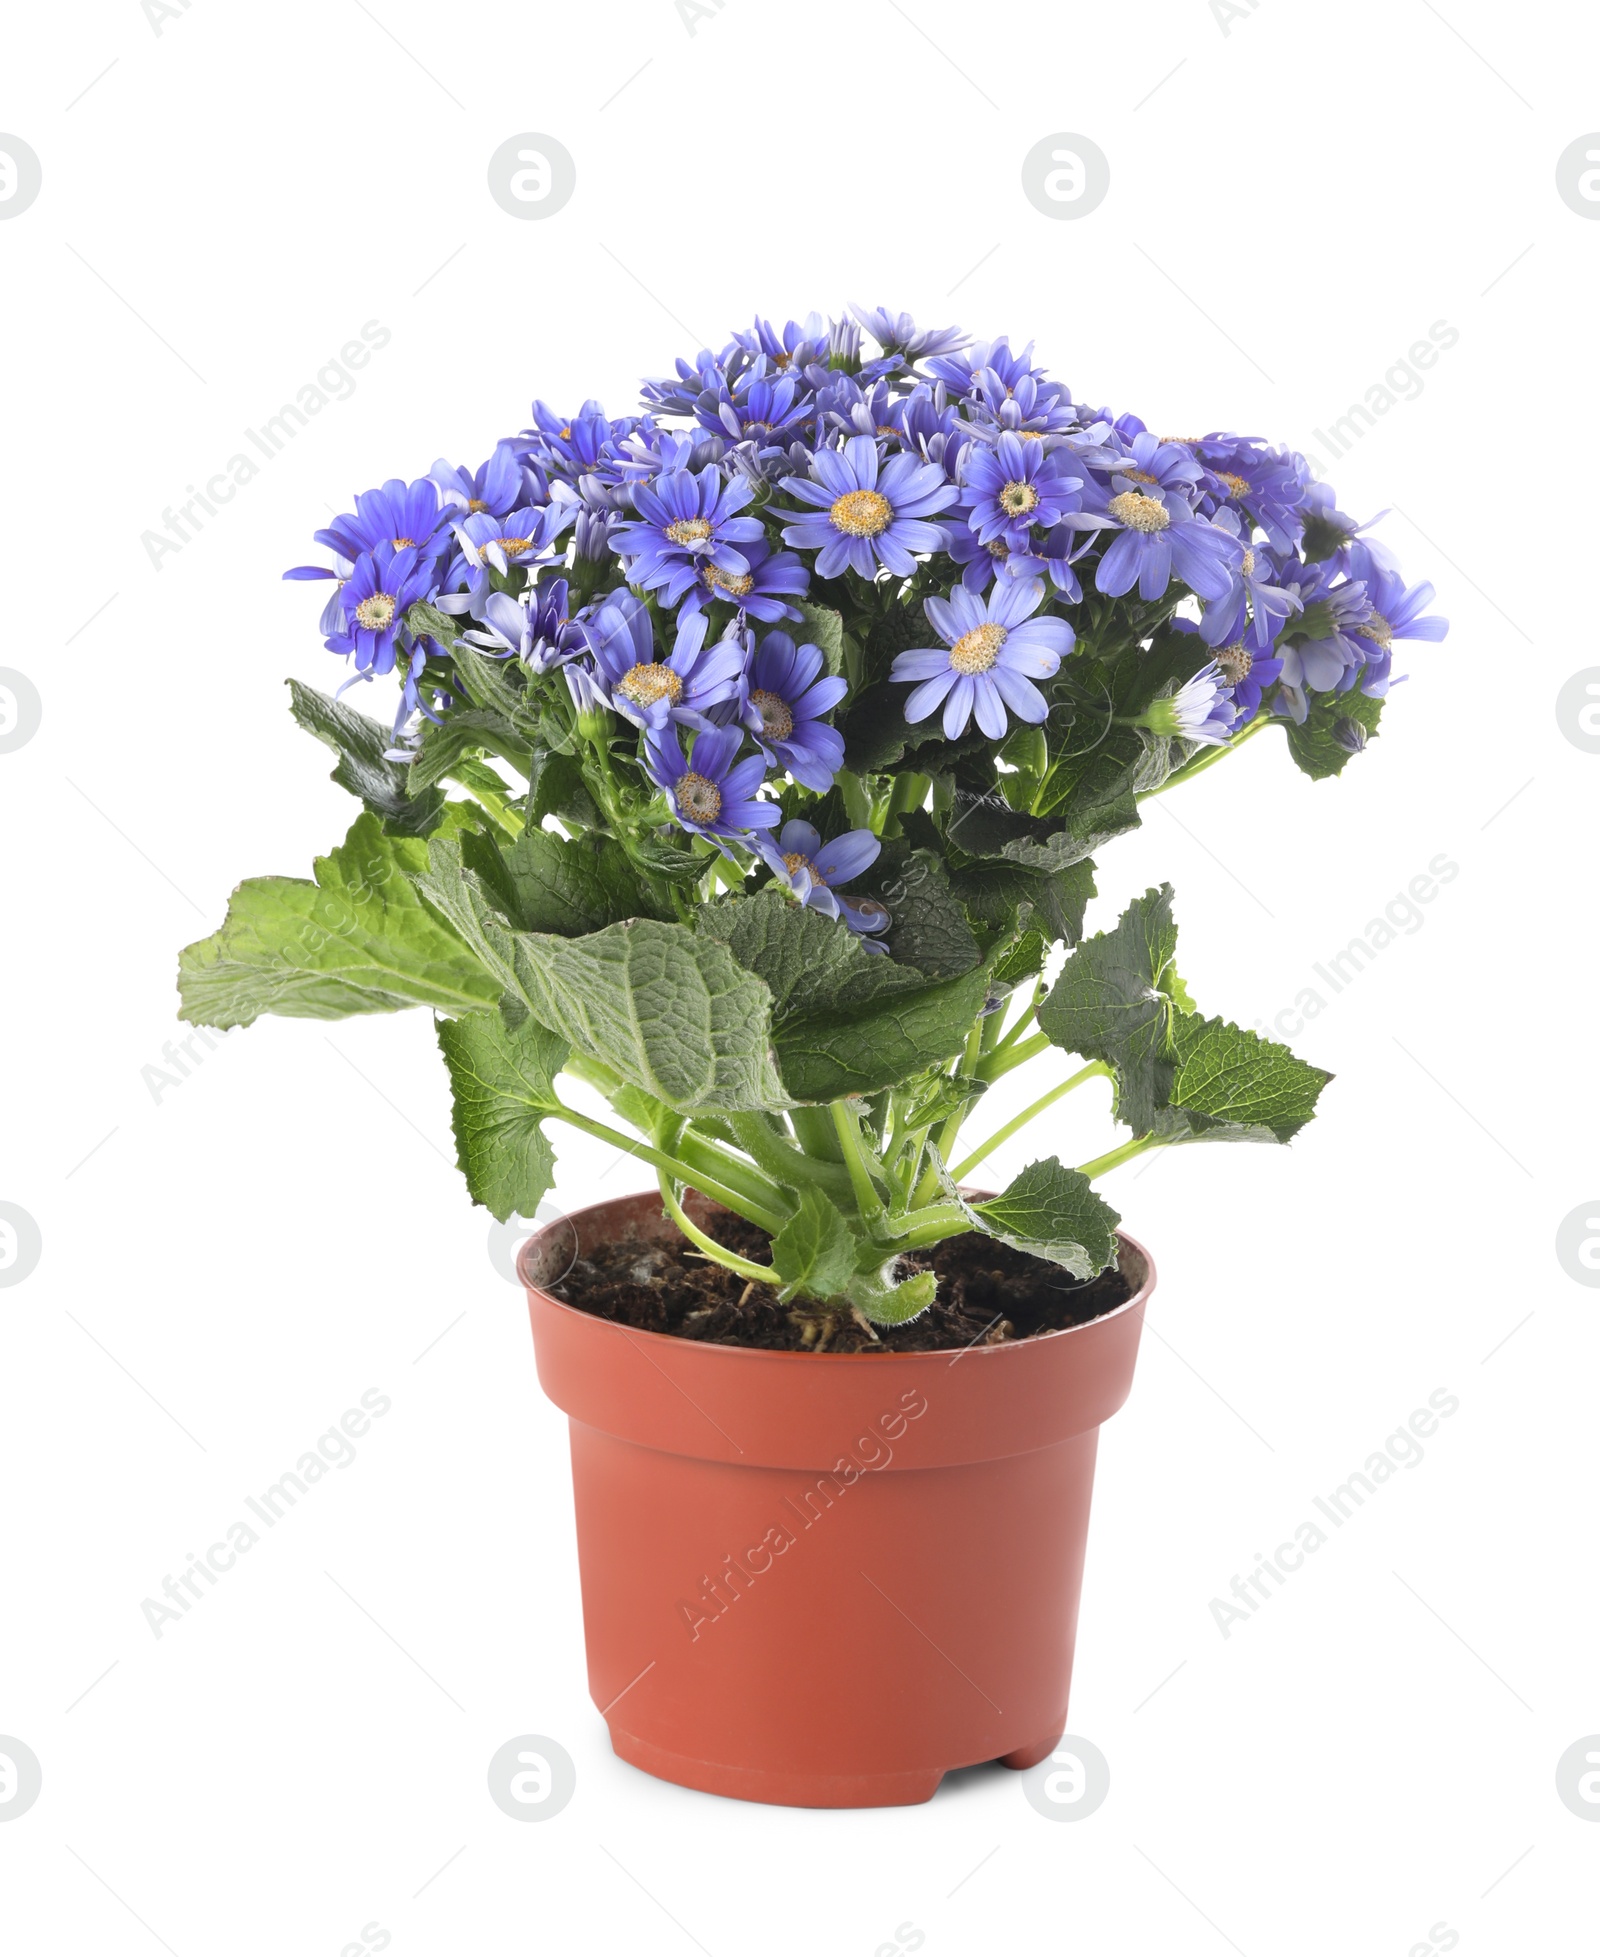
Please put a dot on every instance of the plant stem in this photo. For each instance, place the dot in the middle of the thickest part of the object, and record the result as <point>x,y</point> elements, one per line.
<point>848,1129</point>
<point>964,1169</point>
<point>928,1188</point>
<point>730,1260</point>
<point>787,1165</point>
<point>1114,1158</point>
<point>1004,1058</point>
<point>679,1171</point>
<point>1209,759</point>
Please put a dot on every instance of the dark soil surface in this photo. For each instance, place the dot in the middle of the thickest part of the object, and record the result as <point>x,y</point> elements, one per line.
<point>988,1294</point>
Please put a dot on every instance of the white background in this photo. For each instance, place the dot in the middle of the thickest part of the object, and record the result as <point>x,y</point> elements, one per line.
<point>1371,1756</point>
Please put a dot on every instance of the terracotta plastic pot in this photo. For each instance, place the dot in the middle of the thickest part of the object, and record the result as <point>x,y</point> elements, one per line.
<point>825,1579</point>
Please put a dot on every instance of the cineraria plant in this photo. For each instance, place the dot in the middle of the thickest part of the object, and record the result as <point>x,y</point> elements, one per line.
<point>786,716</point>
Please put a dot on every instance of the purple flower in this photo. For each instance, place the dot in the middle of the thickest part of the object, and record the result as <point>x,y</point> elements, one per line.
<point>711,793</point>
<point>403,516</point>
<point>496,488</point>
<point>1160,536</point>
<point>993,651</point>
<point>762,413</point>
<point>1248,673</point>
<point>868,512</point>
<point>785,703</point>
<point>1011,487</point>
<point>519,540</point>
<point>1254,605</point>
<point>1201,711</point>
<point>761,591</point>
<point>382,586</point>
<point>685,522</point>
<point>535,629</point>
<point>651,692</point>
<point>899,333</point>
<point>814,870</point>
<point>1396,614</point>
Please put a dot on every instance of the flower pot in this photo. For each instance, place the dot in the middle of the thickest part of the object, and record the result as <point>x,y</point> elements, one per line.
<point>825,1579</point>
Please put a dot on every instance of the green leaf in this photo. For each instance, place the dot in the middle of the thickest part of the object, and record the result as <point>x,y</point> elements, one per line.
<point>1054,1213</point>
<point>814,1253</point>
<point>1113,1002</point>
<point>359,939</point>
<point>545,882</point>
<point>809,962</point>
<point>1230,1085</point>
<point>823,628</point>
<point>1316,752</point>
<point>667,1007</point>
<point>556,787</point>
<point>823,1055</point>
<point>465,731</point>
<point>503,1085</point>
<point>1022,960</point>
<point>993,893</point>
<point>360,744</point>
<point>929,929</point>
<point>671,860</point>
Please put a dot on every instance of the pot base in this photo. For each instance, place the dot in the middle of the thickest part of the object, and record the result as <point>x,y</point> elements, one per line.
<point>801,1790</point>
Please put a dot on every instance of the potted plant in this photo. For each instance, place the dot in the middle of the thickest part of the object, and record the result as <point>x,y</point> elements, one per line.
<point>749,760</point>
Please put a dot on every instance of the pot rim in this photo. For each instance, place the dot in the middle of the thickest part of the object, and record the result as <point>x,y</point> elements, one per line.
<point>943,1355</point>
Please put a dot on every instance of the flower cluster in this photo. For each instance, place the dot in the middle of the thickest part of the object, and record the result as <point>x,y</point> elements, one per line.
<point>796,526</point>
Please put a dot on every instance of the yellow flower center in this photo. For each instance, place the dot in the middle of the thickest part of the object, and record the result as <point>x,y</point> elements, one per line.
<point>375,614</point>
<point>476,506</point>
<point>1378,629</point>
<point>736,586</point>
<point>977,650</point>
<point>1237,485</point>
<point>698,799</point>
<point>1249,564</point>
<point>799,862</point>
<point>688,530</point>
<point>1138,475</point>
<point>777,718</point>
<point>514,546</point>
<point>1017,498</point>
<point>1139,512</point>
<point>861,513</point>
<point>644,685</point>
<point>402,543</point>
<point>998,547</point>
<point>1235,662</point>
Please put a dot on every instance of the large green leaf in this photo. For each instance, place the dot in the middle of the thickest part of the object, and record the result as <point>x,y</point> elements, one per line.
<point>809,962</point>
<point>503,1085</point>
<point>567,886</point>
<point>928,928</point>
<point>668,1008</point>
<point>825,1054</point>
<point>1114,999</point>
<point>361,744</point>
<point>463,732</point>
<point>1314,744</point>
<point>1230,1085</point>
<point>1053,1212</point>
<point>359,939</point>
<point>992,892</point>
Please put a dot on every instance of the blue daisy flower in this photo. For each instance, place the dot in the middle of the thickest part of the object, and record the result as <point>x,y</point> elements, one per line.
<point>685,522</point>
<point>1015,485</point>
<point>1159,537</point>
<point>711,792</point>
<point>814,871</point>
<point>868,512</point>
<point>762,591</point>
<point>993,651</point>
<point>651,692</point>
<point>496,487</point>
<point>383,585</point>
<point>786,697</point>
<point>899,333</point>
<point>405,516</point>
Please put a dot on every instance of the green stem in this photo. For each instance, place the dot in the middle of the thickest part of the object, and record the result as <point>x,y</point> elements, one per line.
<point>1047,1100</point>
<point>786,1164</point>
<point>1114,1158</point>
<point>1004,1058</point>
<point>928,1188</point>
<point>658,1158</point>
<point>928,1226</point>
<point>730,1260</point>
<point>814,1128</point>
<point>848,1129</point>
<point>705,1158</point>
